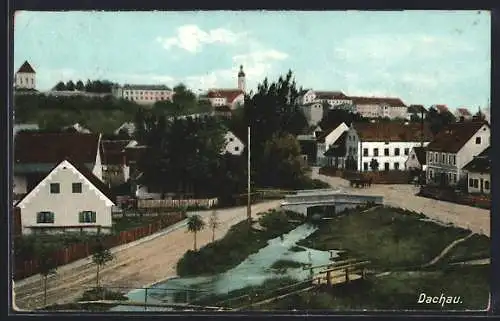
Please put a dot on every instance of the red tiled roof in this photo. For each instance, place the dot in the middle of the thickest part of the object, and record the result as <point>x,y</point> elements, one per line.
<point>113,151</point>
<point>391,101</point>
<point>229,94</point>
<point>463,112</point>
<point>454,136</point>
<point>36,148</point>
<point>392,132</point>
<point>26,68</point>
<point>330,95</point>
<point>480,163</point>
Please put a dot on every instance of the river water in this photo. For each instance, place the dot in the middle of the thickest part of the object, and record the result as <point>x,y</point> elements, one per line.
<point>253,271</point>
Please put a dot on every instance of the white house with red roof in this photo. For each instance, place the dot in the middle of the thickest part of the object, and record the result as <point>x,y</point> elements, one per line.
<point>143,94</point>
<point>25,77</point>
<point>227,97</point>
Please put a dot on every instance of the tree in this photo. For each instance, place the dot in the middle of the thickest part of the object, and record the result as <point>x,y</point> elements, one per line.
<point>439,120</point>
<point>47,265</point>
<point>80,86</point>
<point>100,256</point>
<point>70,85</point>
<point>60,86</point>
<point>214,223</point>
<point>374,165</point>
<point>194,225</point>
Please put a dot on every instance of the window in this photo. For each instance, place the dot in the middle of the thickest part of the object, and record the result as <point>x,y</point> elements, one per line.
<point>45,217</point>
<point>407,151</point>
<point>386,151</point>
<point>375,152</point>
<point>430,158</point>
<point>231,139</point>
<point>486,185</point>
<point>386,166</point>
<point>396,166</point>
<point>365,166</point>
<point>54,188</point>
<point>471,182</point>
<point>436,157</point>
<point>76,187</point>
<point>87,217</point>
<point>32,81</point>
<point>478,140</point>
<point>396,152</point>
<point>431,173</point>
<point>365,151</point>
<point>237,148</point>
<point>454,178</point>
<point>413,156</point>
<point>476,183</point>
<point>442,157</point>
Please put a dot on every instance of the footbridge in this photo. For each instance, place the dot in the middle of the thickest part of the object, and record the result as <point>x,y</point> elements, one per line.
<point>334,199</point>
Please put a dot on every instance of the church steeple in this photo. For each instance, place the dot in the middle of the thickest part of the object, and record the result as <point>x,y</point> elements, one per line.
<point>241,79</point>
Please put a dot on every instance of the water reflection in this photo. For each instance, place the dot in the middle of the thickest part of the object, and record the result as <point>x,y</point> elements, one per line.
<point>253,271</point>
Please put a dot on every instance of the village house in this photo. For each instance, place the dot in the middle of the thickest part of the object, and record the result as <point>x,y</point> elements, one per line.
<point>127,128</point>
<point>389,144</point>
<point>227,97</point>
<point>454,147</point>
<point>380,107</point>
<point>326,139</point>
<point>336,153</point>
<point>416,159</point>
<point>462,114</point>
<point>69,199</point>
<point>313,112</point>
<point>479,173</point>
<point>143,94</point>
<point>25,77</point>
<point>36,154</point>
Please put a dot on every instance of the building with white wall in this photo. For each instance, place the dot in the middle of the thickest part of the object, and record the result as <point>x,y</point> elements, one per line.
<point>143,94</point>
<point>326,140</point>
<point>234,145</point>
<point>227,97</point>
<point>332,98</point>
<point>313,112</point>
<point>69,199</point>
<point>388,143</point>
<point>380,107</point>
<point>25,77</point>
<point>479,173</point>
<point>416,159</point>
<point>454,147</point>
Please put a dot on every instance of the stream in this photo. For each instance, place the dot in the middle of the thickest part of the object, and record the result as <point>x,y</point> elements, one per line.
<point>253,271</point>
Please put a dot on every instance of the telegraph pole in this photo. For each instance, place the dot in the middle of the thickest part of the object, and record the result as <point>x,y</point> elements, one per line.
<point>249,204</point>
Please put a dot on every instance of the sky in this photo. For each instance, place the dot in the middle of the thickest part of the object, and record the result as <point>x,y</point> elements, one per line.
<point>422,57</point>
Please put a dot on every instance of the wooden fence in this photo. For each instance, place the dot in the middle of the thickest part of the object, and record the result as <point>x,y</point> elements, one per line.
<point>448,195</point>
<point>23,269</point>
<point>200,203</point>
<point>378,177</point>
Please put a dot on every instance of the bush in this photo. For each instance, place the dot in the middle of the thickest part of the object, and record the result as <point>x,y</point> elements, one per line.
<point>97,294</point>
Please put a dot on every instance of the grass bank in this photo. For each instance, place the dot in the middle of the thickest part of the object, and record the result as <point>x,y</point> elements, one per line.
<point>476,247</point>
<point>90,295</point>
<point>240,241</point>
<point>399,290</point>
<point>389,237</point>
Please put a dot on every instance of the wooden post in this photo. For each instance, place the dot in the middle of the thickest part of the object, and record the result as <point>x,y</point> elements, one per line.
<point>145,299</point>
<point>346,274</point>
<point>187,296</point>
<point>328,278</point>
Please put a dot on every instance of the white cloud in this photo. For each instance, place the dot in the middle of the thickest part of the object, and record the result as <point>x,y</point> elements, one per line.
<point>191,38</point>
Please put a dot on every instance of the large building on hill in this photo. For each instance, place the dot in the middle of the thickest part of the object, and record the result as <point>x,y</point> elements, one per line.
<point>380,107</point>
<point>223,98</point>
<point>25,77</point>
<point>143,94</point>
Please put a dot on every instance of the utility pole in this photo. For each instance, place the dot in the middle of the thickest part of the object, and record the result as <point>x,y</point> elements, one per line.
<point>422,127</point>
<point>249,204</point>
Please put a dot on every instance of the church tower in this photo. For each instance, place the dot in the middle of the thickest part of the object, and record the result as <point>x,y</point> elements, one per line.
<point>241,80</point>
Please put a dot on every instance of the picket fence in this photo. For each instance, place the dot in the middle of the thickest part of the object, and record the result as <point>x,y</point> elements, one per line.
<point>203,203</point>
<point>23,269</point>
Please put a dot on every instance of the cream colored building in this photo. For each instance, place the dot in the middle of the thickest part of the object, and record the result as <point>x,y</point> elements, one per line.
<point>25,77</point>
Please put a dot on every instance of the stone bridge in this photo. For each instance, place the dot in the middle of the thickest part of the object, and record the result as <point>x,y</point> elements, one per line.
<point>333,199</point>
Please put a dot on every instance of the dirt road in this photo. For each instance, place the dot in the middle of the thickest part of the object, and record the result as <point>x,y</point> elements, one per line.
<point>145,262</point>
<point>475,219</point>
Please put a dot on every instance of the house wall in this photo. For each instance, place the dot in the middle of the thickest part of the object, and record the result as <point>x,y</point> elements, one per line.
<point>368,110</point>
<point>65,205</point>
<point>313,113</point>
<point>238,101</point>
<point>412,161</point>
<point>396,162</point>
<point>25,80</point>
<point>308,97</point>
<point>474,183</point>
<point>233,144</point>
<point>144,96</point>
<point>142,192</point>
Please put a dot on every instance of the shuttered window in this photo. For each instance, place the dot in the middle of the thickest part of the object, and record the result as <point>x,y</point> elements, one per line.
<point>45,217</point>
<point>87,217</point>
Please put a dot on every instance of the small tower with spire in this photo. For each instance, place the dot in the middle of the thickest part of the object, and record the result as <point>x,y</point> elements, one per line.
<point>241,79</point>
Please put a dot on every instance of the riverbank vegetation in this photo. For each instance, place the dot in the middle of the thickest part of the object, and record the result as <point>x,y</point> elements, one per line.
<point>390,238</point>
<point>240,241</point>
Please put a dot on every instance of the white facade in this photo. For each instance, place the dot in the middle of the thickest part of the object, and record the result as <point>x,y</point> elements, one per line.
<point>144,94</point>
<point>451,164</point>
<point>479,183</point>
<point>234,145</point>
<point>375,110</point>
<point>222,100</point>
<point>313,113</point>
<point>412,162</point>
<point>389,155</point>
<point>66,205</point>
<point>333,100</point>
<point>330,139</point>
<point>25,80</point>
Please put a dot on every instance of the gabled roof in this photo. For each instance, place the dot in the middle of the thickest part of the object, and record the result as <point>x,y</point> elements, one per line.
<point>26,68</point>
<point>51,148</point>
<point>392,132</point>
<point>391,101</point>
<point>416,109</point>
<point>454,136</point>
<point>86,173</point>
<point>481,163</point>
<point>330,95</point>
<point>420,152</point>
<point>337,149</point>
<point>229,94</point>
